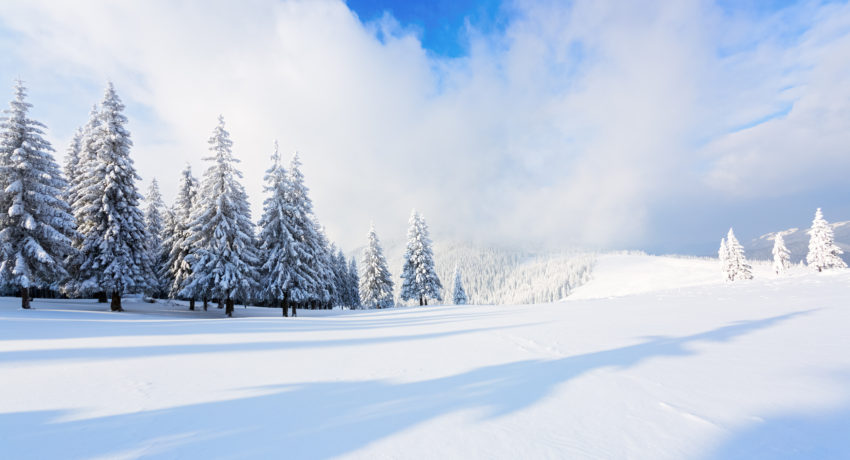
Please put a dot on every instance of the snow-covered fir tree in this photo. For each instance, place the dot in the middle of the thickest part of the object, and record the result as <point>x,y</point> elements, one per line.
<point>276,242</point>
<point>114,241</point>
<point>823,254</point>
<point>458,293</point>
<point>36,225</point>
<point>781,255</point>
<point>341,280</point>
<point>83,158</point>
<point>419,278</point>
<point>353,285</point>
<point>72,157</point>
<point>736,262</point>
<point>178,267</point>
<point>224,257</point>
<point>154,224</point>
<point>323,266</point>
<point>376,284</point>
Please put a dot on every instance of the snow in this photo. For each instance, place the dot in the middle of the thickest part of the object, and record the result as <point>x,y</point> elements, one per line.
<point>680,365</point>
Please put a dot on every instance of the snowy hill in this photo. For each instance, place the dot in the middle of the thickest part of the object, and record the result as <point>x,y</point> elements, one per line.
<point>756,369</point>
<point>797,241</point>
<point>500,274</point>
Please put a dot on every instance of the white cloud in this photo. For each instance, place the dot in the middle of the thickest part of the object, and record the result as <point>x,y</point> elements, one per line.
<point>568,126</point>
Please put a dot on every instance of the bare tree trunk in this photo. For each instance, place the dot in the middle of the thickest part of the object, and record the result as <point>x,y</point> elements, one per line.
<point>192,304</point>
<point>426,301</point>
<point>294,313</point>
<point>25,298</point>
<point>229,310</point>
<point>284,305</point>
<point>116,301</point>
<point>205,304</point>
<point>420,301</point>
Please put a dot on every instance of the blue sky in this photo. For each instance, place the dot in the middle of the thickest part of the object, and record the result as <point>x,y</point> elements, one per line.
<point>591,122</point>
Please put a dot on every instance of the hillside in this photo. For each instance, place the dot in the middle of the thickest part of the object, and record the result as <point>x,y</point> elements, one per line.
<point>751,370</point>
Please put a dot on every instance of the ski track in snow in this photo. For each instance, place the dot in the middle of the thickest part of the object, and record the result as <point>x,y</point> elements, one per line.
<point>680,369</point>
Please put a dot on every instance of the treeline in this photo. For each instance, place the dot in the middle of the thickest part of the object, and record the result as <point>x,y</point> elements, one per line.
<point>80,230</point>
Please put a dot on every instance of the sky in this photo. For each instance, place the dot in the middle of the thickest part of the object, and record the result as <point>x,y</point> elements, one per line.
<point>649,125</point>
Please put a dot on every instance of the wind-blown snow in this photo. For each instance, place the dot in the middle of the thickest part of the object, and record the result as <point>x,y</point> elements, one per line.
<point>751,369</point>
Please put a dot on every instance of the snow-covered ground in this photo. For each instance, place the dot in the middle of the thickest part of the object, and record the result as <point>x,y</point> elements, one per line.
<point>755,369</point>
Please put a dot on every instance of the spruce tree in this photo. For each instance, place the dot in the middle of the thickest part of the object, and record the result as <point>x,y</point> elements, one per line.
<point>178,267</point>
<point>459,294</point>
<point>376,284</point>
<point>35,222</point>
<point>781,256</point>
<point>353,285</point>
<point>723,255</point>
<point>276,241</point>
<point>154,224</point>
<point>223,264</point>
<point>114,241</point>
<point>739,269</point>
<point>419,278</point>
<point>823,254</point>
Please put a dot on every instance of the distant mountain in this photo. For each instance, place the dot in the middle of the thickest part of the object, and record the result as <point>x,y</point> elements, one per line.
<point>797,242</point>
<point>500,274</point>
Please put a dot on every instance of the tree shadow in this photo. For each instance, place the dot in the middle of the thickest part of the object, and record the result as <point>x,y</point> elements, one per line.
<point>325,419</point>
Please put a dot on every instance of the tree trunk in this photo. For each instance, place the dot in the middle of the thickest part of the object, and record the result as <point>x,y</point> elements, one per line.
<point>25,298</point>
<point>284,305</point>
<point>294,313</point>
<point>420,301</point>
<point>229,310</point>
<point>205,304</point>
<point>426,301</point>
<point>220,304</point>
<point>192,304</point>
<point>116,301</point>
<point>101,297</point>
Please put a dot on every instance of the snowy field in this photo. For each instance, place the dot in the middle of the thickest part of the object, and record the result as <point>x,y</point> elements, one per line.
<point>691,370</point>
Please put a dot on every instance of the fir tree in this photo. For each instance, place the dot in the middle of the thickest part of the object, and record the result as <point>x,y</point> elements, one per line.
<point>35,222</point>
<point>154,225</point>
<point>376,284</point>
<point>222,232</point>
<point>276,241</point>
<point>341,280</point>
<point>114,244</point>
<point>419,277</point>
<point>459,294</point>
<point>353,285</point>
<point>823,254</point>
<point>781,256</point>
<point>178,267</point>
<point>723,255</point>
<point>739,268</point>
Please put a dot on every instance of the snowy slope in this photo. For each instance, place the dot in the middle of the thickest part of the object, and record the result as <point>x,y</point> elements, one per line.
<point>620,274</point>
<point>755,369</point>
<point>797,242</point>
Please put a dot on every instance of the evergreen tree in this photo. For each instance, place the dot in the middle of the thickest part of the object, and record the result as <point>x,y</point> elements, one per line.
<point>222,232</point>
<point>82,158</point>
<point>823,253</point>
<point>781,256</point>
<point>341,280</point>
<point>739,268</point>
<point>35,222</point>
<point>353,285</point>
<point>376,284</point>
<point>276,241</point>
<point>72,158</point>
<point>459,294</point>
<point>419,278</point>
<point>169,226</point>
<point>323,267</point>
<point>114,244</point>
<point>723,255</point>
<point>178,267</point>
<point>154,215</point>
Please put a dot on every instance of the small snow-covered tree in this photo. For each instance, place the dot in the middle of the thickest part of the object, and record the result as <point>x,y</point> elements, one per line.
<point>114,245</point>
<point>739,268</point>
<point>459,294</point>
<point>723,255</point>
<point>36,225</point>
<point>823,254</point>
<point>224,258</point>
<point>353,285</point>
<point>419,278</point>
<point>376,284</point>
<point>781,256</point>
<point>178,266</point>
<point>154,224</point>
